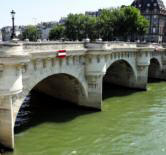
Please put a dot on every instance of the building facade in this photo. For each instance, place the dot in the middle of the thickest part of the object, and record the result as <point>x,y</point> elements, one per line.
<point>93,13</point>
<point>155,12</point>
<point>45,28</point>
<point>0,35</point>
<point>7,32</point>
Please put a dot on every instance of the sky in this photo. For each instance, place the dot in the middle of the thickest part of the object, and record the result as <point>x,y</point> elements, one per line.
<point>36,11</point>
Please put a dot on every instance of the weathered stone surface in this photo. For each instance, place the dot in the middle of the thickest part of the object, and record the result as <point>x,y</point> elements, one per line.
<point>77,78</point>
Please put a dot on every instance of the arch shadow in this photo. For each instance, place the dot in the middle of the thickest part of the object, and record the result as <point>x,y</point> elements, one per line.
<point>120,73</point>
<point>119,79</point>
<point>112,90</point>
<point>54,99</point>
<point>154,70</point>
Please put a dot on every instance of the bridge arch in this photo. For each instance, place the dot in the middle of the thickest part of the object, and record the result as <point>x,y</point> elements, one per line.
<point>155,68</point>
<point>121,72</point>
<point>64,86</point>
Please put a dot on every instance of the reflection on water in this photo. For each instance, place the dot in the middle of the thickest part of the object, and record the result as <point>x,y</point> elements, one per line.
<point>24,114</point>
<point>39,108</point>
<point>131,123</point>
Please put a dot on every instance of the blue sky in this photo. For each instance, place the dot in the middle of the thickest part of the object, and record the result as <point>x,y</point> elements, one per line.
<point>35,11</point>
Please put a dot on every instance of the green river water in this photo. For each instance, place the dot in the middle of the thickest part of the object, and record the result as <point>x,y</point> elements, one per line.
<point>131,123</point>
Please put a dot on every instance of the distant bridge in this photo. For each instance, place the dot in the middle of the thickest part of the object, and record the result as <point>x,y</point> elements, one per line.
<point>78,77</point>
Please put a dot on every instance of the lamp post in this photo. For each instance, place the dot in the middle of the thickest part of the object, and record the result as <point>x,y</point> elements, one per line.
<point>13,35</point>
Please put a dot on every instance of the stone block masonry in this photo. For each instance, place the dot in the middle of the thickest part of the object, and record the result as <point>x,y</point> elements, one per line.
<point>77,78</point>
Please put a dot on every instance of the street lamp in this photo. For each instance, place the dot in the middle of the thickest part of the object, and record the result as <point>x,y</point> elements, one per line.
<point>13,27</point>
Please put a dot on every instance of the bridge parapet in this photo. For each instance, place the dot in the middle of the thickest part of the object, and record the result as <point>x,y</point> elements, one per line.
<point>12,53</point>
<point>11,59</point>
<point>72,47</point>
<point>9,48</point>
<point>31,47</point>
<point>110,45</point>
<point>123,46</point>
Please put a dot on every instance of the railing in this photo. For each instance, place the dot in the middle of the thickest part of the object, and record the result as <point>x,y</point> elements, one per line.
<point>36,47</point>
<point>52,46</point>
<point>122,45</point>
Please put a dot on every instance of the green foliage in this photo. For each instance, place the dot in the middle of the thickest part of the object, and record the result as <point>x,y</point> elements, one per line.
<point>134,21</point>
<point>31,33</point>
<point>110,24</point>
<point>73,26</point>
<point>142,25</point>
<point>131,16</point>
<point>121,23</point>
<point>105,24</point>
<point>78,26</point>
<point>57,32</point>
<point>118,20</point>
<point>89,28</point>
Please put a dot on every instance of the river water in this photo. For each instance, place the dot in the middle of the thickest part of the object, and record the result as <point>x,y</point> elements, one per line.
<point>131,123</point>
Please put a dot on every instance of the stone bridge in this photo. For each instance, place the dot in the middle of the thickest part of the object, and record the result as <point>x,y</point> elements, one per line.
<point>77,78</point>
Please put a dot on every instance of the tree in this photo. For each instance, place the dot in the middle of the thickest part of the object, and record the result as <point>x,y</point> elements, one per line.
<point>78,26</point>
<point>142,25</point>
<point>89,27</point>
<point>118,23</point>
<point>31,33</point>
<point>110,24</point>
<point>105,24</point>
<point>121,23</point>
<point>134,22</point>
<point>73,26</point>
<point>57,32</point>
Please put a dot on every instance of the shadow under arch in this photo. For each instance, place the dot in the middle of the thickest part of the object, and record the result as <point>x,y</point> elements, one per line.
<point>54,99</point>
<point>154,69</point>
<point>119,76</point>
<point>120,73</point>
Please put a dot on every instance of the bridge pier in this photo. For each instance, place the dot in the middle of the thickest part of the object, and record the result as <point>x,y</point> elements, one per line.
<point>94,72</point>
<point>142,77</point>
<point>163,74</point>
<point>163,69</point>
<point>94,99</point>
<point>142,64</point>
<point>6,122</point>
<point>11,59</point>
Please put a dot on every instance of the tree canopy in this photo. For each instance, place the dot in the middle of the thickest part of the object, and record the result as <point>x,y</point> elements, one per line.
<point>111,24</point>
<point>134,22</point>
<point>31,33</point>
<point>57,32</point>
<point>78,26</point>
<point>121,23</point>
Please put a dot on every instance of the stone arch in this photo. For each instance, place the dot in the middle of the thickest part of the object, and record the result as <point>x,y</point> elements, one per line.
<point>74,89</point>
<point>121,72</point>
<point>154,69</point>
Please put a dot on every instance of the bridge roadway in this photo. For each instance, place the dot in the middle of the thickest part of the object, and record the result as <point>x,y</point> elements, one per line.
<point>77,78</point>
